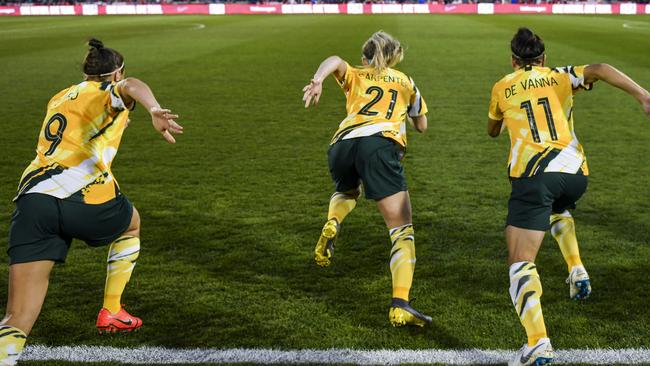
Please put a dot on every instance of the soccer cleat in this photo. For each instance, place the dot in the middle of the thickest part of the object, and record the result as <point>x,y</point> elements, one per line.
<point>325,246</point>
<point>537,355</point>
<point>579,284</point>
<point>119,322</point>
<point>401,313</point>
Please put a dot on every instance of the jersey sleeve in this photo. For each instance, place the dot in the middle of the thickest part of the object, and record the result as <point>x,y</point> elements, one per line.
<point>117,103</point>
<point>576,76</point>
<point>346,82</point>
<point>494,112</point>
<point>417,105</point>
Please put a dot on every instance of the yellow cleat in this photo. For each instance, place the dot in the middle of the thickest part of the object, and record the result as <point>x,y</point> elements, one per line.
<point>325,246</point>
<point>401,313</point>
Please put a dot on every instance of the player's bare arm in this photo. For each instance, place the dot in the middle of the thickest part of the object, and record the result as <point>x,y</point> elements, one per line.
<point>614,77</point>
<point>332,65</point>
<point>420,123</point>
<point>494,127</point>
<point>164,121</point>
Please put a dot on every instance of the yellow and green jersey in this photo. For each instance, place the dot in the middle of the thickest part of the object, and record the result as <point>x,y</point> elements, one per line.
<point>377,104</point>
<point>536,104</point>
<point>78,141</point>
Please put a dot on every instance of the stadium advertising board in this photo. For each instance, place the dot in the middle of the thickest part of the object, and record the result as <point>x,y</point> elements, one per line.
<point>351,8</point>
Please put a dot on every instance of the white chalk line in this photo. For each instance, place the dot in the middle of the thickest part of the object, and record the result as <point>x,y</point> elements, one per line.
<point>162,355</point>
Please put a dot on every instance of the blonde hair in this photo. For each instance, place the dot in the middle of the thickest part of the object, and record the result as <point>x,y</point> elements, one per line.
<point>382,51</point>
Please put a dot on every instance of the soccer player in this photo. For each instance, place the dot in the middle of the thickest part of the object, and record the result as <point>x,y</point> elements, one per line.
<point>368,148</point>
<point>548,172</point>
<point>68,191</point>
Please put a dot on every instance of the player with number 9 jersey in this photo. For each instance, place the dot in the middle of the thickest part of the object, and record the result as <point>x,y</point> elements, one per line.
<point>69,192</point>
<point>79,139</point>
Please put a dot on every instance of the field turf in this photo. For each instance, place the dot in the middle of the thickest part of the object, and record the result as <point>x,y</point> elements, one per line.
<point>231,213</point>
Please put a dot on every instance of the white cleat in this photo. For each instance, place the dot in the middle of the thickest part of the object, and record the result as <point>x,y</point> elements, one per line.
<point>579,284</point>
<point>537,355</point>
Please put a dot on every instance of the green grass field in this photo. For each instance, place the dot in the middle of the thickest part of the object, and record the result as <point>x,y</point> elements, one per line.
<point>232,212</point>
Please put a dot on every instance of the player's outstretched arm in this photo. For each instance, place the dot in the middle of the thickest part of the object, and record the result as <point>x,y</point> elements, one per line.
<point>614,77</point>
<point>163,120</point>
<point>313,90</point>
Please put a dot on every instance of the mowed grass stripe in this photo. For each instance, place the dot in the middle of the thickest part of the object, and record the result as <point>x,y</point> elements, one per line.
<point>160,355</point>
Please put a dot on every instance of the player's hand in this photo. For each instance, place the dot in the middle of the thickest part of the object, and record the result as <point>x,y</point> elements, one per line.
<point>165,122</point>
<point>312,91</point>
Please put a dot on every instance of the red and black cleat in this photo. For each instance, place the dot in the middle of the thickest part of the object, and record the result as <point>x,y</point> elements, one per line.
<point>121,322</point>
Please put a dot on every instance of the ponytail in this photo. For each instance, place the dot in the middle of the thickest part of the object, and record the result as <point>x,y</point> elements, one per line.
<point>382,51</point>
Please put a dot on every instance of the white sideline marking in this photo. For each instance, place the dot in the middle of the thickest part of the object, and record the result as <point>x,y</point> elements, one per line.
<point>161,355</point>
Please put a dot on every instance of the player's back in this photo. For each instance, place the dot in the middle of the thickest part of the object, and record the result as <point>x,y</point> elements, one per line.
<point>536,105</point>
<point>79,138</point>
<point>378,103</point>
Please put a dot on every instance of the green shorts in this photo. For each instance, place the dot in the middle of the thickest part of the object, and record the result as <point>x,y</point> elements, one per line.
<point>534,199</point>
<point>42,226</point>
<point>373,160</point>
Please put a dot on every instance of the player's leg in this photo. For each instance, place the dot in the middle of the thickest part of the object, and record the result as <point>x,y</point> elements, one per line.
<point>122,256</point>
<point>342,202</point>
<point>529,209</point>
<point>379,164</point>
<point>396,210</point>
<point>115,223</point>
<point>35,245</point>
<point>28,284</point>
<point>564,233</point>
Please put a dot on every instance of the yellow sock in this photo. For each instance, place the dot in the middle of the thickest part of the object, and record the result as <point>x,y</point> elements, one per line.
<point>341,204</point>
<point>563,229</point>
<point>12,342</point>
<point>402,260</point>
<point>525,292</point>
<point>121,261</point>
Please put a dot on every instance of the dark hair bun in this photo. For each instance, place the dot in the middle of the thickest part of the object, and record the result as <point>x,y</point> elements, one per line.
<point>95,43</point>
<point>101,60</point>
<point>527,45</point>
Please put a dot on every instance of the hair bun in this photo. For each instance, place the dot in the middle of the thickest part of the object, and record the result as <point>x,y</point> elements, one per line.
<point>95,43</point>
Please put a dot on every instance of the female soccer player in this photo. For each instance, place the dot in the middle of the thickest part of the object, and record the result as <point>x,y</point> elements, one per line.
<point>548,171</point>
<point>368,147</point>
<point>68,191</point>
